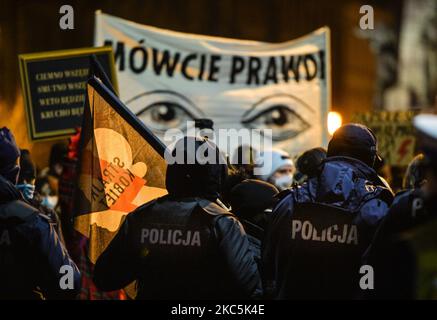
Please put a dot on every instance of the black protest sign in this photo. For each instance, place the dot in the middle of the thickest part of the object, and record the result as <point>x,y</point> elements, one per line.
<point>54,88</point>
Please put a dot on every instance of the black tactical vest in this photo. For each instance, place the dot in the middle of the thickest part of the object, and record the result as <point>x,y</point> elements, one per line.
<point>324,248</point>
<point>178,253</point>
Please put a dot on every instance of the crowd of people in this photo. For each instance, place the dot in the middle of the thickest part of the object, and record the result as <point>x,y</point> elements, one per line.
<point>304,230</point>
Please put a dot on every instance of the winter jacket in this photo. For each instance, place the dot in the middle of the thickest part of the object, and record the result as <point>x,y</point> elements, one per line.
<point>332,216</point>
<point>34,263</point>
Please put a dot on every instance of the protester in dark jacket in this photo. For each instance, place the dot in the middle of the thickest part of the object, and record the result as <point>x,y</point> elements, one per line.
<point>252,202</point>
<point>185,245</point>
<point>33,262</point>
<point>346,183</point>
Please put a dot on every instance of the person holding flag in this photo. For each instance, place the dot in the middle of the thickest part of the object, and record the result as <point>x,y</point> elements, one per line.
<point>193,247</point>
<point>185,245</point>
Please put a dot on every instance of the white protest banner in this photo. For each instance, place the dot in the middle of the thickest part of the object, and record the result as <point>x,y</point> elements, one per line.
<point>168,78</point>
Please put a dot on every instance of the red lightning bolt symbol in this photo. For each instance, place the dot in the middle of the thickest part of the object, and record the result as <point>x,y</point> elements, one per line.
<point>403,149</point>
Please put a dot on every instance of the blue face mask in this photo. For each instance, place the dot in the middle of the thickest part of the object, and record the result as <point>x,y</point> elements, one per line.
<point>27,190</point>
<point>49,202</point>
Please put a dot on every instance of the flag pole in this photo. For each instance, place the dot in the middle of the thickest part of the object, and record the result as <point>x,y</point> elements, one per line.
<point>96,70</point>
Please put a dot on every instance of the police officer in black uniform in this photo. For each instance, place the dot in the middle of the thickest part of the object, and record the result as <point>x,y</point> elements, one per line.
<point>185,245</point>
<point>406,238</point>
<point>320,229</point>
<point>34,264</point>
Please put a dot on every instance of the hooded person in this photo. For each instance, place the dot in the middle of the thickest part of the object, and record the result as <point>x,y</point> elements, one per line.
<point>320,229</point>
<point>252,202</point>
<point>282,168</point>
<point>185,245</point>
<point>26,236</point>
<point>308,163</point>
<point>26,178</point>
<point>9,156</point>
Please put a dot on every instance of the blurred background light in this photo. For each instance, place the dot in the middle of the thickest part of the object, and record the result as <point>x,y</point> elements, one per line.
<point>334,121</point>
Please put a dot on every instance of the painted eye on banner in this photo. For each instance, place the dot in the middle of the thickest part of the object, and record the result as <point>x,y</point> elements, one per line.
<point>163,115</point>
<point>285,115</point>
<point>162,110</point>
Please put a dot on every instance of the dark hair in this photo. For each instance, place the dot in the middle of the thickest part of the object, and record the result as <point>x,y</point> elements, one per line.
<point>236,175</point>
<point>27,167</point>
<point>243,160</point>
<point>203,123</point>
<point>308,163</point>
<point>58,153</point>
